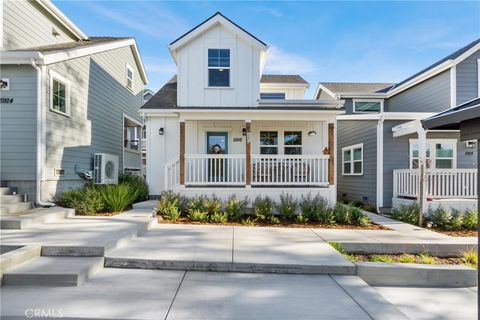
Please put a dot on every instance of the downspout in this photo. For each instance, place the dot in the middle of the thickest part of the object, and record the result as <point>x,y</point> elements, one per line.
<point>40,137</point>
<point>380,163</point>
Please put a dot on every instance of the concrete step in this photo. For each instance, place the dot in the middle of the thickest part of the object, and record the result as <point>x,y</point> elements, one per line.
<point>6,209</point>
<point>7,190</point>
<point>13,198</point>
<point>12,257</point>
<point>54,272</point>
<point>34,217</point>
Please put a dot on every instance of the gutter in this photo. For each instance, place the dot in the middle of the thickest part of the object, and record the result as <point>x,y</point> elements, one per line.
<point>40,137</point>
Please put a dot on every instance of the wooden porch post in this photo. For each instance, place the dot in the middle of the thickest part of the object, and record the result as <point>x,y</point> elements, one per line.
<point>182,152</point>
<point>248,172</point>
<point>331,150</point>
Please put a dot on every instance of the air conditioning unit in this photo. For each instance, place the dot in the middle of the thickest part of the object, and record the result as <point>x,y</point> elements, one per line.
<point>105,168</point>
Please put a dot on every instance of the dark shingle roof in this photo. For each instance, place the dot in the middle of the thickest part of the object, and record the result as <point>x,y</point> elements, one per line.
<point>282,78</point>
<point>339,87</point>
<point>450,119</point>
<point>452,56</point>
<point>165,98</point>
<point>76,44</point>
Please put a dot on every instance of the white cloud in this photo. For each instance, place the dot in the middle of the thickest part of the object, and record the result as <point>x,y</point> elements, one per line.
<point>280,61</point>
<point>272,11</point>
<point>160,65</point>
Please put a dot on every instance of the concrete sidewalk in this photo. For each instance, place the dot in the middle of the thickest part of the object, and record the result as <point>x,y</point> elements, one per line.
<point>154,294</point>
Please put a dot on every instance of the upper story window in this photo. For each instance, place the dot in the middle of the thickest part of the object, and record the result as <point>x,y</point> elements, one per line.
<point>352,160</point>
<point>218,67</point>
<point>59,94</point>
<point>272,95</point>
<point>367,105</point>
<point>130,78</point>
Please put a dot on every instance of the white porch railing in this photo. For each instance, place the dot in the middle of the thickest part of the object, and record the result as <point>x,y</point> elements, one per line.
<point>211,169</point>
<point>440,183</point>
<point>172,173</point>
<point>289,169</point>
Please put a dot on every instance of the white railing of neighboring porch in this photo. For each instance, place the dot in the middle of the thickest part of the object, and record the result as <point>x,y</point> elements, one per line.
<point>214,169</point>
<point>289,169</point>
<point>440,183</point>
<point>172,173</point>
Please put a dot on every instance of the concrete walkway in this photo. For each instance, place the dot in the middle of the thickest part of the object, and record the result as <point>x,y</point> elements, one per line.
<point>154,294</point>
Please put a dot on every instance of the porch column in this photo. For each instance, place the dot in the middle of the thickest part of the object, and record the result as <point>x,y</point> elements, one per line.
<point>248,159</point>
<point>331,151</point>
<point>182,152</point>
<point>422,164</point>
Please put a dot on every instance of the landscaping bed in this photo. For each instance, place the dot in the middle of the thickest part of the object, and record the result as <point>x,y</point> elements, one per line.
<point>452,222</point>
<point>308,212</point>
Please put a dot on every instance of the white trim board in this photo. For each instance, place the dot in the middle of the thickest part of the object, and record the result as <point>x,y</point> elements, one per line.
<point>60,17</point>
<point>386,116</point>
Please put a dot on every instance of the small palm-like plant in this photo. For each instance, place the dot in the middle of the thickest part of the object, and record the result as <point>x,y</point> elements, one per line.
<point>116,198</point>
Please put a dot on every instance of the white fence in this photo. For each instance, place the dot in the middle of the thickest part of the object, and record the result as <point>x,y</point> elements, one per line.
<point>440,183</point>
<point>172,173</point>
<point>210,169</point>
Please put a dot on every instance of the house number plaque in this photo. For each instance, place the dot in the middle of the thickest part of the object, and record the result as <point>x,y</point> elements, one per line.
<point>6,100</point>
<point>237,139</point>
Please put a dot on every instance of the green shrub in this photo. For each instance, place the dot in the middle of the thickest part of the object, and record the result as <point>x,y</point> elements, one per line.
<point>219,217</point>
<point>198,215</point>
<point>315,209</point>
<point>263,208</point>
<point>359,217</point>
<point>287,207</point>
<point>212,205</point>
<point>381,258</point>
<point>342,213</point>
<point>273,219</point>
<point>85,201</point>
<point>470,258</point>
<point>407,214</point>
<point>470,220</point>
<point>137,183</point>
<point>456,222</point>
<point>235,208</point>
<point>406,258</point>
<point>68,198</point>
<point>248,221</point>
<point>441,218</point>
<point>327,216</point>
<point>301,219</point>
<point>196,204</point>
<point>168,206</point>
<point>117,198</point>
<point>425,258</point>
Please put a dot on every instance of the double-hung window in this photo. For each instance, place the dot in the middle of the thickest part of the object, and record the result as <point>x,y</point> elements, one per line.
<point>352,160</point>
<point>292,142</point>
<point>362,106</point>
<point>130,78</point>
<point>59,94</point>
<point>440,154</point>
<point>219,67</point>
<point>268,142</point>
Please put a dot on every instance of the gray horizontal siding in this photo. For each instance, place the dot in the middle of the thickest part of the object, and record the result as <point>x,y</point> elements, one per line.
<point>99,98</point>
<point>350,133</point>
<point>26,24</point>
<point>18,123</point>
<point>432,95</point>
<point>467,79</point>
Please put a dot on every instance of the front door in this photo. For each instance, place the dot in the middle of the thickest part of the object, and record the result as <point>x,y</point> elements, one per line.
<point>217,144</point>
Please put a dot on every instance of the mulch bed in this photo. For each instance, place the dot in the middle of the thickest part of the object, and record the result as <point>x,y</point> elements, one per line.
<point>282,224</point>
<point>458,233</point>
<point>396,258</point>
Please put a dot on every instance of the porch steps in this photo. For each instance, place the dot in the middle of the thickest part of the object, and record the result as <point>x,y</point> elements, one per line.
<point>12,256</point>
<point>12,208</point>
<point>54,271</point>
<point>7,190</point>
<point>32,217</point>
<point>11,202</point>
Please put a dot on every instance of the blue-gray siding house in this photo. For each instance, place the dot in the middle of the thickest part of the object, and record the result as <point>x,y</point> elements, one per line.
<point>367,150</point>
<point>64,97</point>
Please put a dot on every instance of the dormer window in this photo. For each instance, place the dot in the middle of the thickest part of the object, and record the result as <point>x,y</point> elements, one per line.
<point>218,67</point>
<point>363,106</point>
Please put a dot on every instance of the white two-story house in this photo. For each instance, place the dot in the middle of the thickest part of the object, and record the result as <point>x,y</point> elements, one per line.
<point>222,126</point>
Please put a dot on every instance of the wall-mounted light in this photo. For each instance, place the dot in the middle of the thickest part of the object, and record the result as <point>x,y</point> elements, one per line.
<point>244,131</point>
<point>161,131</point>
<point>312,133</point>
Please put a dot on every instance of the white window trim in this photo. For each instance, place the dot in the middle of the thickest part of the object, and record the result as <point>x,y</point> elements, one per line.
<point>128,67</point>
<point>56,76</point>
<point>368,100</point>
<point>433,156</point>
<point>230,84</point>
<point>270,145</point>
<point>351,148</point>
<point>293,145</point>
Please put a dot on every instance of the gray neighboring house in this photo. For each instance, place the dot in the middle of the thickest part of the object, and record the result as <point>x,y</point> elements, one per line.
<point>64,97</point>
<point>378,159</point>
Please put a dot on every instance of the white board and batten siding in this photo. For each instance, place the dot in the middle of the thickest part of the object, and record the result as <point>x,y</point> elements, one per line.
<point>193,87</point>
<point>26,24</point>
<point>99,99</point>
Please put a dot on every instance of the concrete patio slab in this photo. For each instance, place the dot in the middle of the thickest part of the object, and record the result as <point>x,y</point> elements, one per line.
<point>420,303</point>
<point>263,296</point>
<point>111,293</point>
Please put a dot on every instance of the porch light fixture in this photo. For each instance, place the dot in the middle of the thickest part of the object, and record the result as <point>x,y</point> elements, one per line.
<point>161,131</point>
<point>312,133</point>
<point>244,131</point>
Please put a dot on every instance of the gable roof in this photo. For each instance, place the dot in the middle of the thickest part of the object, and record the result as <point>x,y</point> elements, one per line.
<point>360,87</point>
<point>283,78</point>
<point>62,19</point>
<point>217,17</point>
<point>165,98</point>
<point>451,117</point>
<point>74,45</point>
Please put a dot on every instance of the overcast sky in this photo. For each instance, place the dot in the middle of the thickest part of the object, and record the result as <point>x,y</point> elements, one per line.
<point>322,41</point>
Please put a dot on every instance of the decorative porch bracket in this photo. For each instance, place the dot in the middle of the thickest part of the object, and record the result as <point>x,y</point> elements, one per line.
<point>182,152</point>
